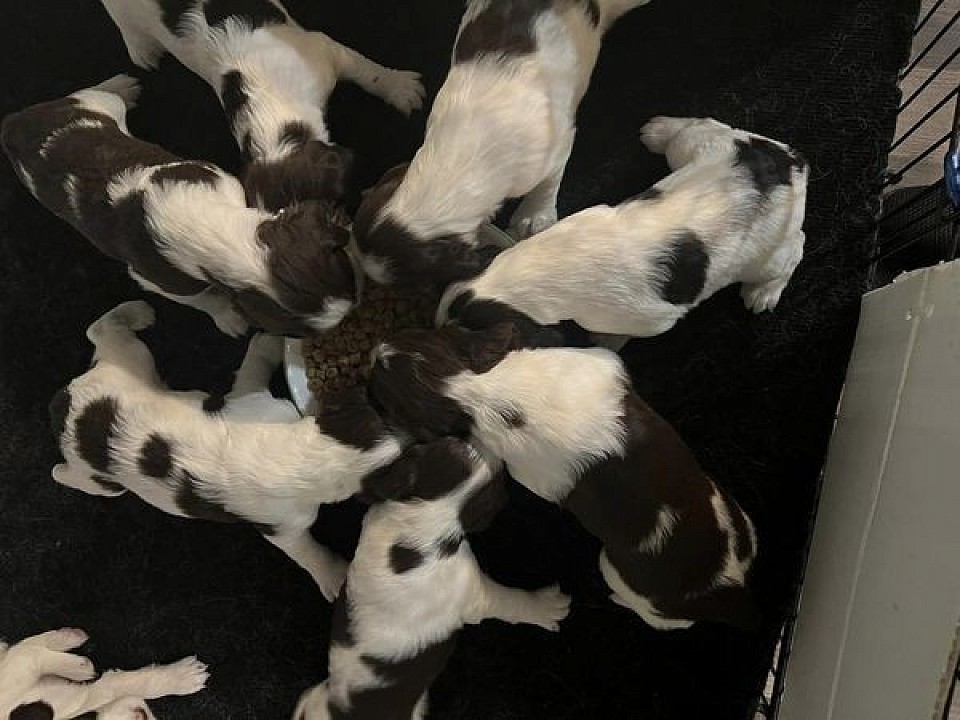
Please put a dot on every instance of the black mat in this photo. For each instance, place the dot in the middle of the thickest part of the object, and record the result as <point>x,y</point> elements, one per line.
<point>754,396</point>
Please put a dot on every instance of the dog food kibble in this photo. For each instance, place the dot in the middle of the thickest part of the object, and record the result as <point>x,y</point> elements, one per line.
<point>340,358</point>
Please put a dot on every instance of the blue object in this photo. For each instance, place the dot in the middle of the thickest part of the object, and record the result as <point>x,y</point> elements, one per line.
<point>951,174</point>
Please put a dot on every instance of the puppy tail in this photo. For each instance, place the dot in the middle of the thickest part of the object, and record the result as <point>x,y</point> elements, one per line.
<point>124,86</point>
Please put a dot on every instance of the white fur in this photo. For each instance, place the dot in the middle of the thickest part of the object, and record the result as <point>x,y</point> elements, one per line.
<point>394,616</point>
<point>257,456</point>
<point>290,71</point>
<point>502,127</point>
<point>41,669</point>
<point>601,267</point>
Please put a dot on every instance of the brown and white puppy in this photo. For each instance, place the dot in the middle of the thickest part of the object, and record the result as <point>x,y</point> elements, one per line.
<point>247,457</point>
<point>569,427</point>
<point>414,583</point>
<point>40,679</point>
<point>502,126</point>
<point>183,228</point>
<point>273,78</point>
<point>732,211</point>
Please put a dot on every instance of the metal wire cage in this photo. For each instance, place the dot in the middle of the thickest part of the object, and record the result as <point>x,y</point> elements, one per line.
<point>918,225</point>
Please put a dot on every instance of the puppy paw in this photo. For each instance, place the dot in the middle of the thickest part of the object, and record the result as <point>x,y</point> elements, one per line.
<point>404,90</point>
<point>763,297</point>
<point>659,131</point>
<point>230,322</point>
<point>268,347</point>
<point>60,640</point>
<point>126,87</point>
<point>331,578</point>
<point>523,226</point>
<point>134,314</point>
<point>548,606</point>
<point>71,667</point>
<point>125,709</point>
<point>184,677</point>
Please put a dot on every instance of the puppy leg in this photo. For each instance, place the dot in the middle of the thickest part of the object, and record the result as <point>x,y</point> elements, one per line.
<point>128,708</point>
<point>211,301</point>
<point>545,607</point>
<point>327,569</point>
<point>264,355</point>
<point>764,294</point>
<point>61,640</point>
<point>611,10</point>
<point>538,210</point>
<point>180,678</point>
<point>47,654</point>
<point>144,50</point>
<point>115,342</point>
<point>71,477</point>
<point>400,88</point>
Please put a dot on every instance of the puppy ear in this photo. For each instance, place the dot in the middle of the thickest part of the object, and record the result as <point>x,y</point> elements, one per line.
<point>484,349</point>
<point>480,509</point>
<point>393,482</point>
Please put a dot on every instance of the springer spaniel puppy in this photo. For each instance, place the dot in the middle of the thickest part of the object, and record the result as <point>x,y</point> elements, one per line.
<point>502,126</point>
<point>731,212</point>
<point>246,457</point>
<point>273,78</point>
<point>182,227</point>
<point>41,680</point>
<point>414,583</point>
<point>569,427</point>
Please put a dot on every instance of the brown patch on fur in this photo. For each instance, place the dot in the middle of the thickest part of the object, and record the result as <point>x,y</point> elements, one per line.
<point>313,170</point>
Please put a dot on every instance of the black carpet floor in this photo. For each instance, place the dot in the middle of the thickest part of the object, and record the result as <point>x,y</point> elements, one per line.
<point>754,396</point>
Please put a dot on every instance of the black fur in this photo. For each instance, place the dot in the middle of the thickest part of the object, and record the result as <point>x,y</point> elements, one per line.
<point>683,269</point>
<point>480,314</point>
<point>187,171</point>
<point>769,165</point>
<point>341,633</point>
<point>423,472</point>
<point>348,417</point>
<point>233,96</point>
<point>403,683</point>
<point>265,313</point>
<point>155,458</point>
<point>312,171</point>
<point>592,8</point>
<point>503,29</point>
<point>59,408</point>
<point>412,261</point>
<point>511,416</point>
<point>296,135</point>
<point>108,485</point>
<point>93,429</point>
<point>172,12</point>
<point>214,403</point>
<point>38,710</point>
<point>194,505</point>
<point>478,512</point>
<point>449,546</point>
<point>254,13</point>
<point>404,558</point>
<point>94,156</point>
<point>618,500</point>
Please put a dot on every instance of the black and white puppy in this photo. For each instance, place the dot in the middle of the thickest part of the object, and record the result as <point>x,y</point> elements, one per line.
<point>40,679</point>
<point>248,457</point>
<point>569,427</point>
<point>414,583</point>
<point>182,227</point>
<point>502,126</point>
<point>273,78</point>
<point>732,211</point>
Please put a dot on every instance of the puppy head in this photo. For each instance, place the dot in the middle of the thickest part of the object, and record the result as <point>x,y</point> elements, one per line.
<point>311,272</point>
<point>411,370</point>
<point>424,472</point>
<point>392,254</point>
<point>306,170</point>
<point>313,704</point>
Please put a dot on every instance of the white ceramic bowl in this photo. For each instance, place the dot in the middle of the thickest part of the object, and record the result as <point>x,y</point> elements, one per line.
<point>295,369</point>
